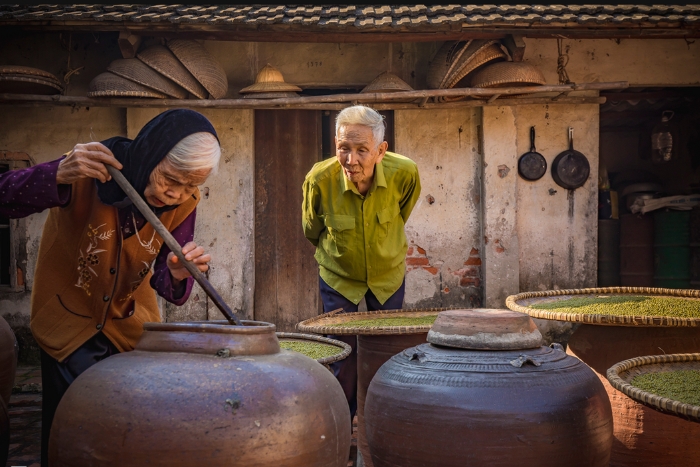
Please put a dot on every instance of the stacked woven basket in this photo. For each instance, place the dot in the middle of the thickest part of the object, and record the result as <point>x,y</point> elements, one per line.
<point>17,79</point>
<point>478,63</point>
<point>180,69</point>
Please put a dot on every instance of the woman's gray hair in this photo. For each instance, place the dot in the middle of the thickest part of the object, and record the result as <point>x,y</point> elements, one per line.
<point>197,151</point>
<point>362,115</point>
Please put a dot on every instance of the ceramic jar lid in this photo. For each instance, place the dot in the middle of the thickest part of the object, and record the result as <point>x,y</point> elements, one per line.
<point>485,329</point>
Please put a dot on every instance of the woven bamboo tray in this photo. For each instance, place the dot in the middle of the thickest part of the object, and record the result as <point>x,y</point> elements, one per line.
<point>621,374</point>
<point>321,324</point>
<point>522,302</point>
<point>343,348</point>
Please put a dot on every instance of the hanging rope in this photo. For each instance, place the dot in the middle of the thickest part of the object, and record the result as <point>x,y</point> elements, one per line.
<point>562,61</point>
<point>67,76</point>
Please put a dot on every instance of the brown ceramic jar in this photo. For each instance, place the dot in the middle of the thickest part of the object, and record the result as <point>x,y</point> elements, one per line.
<point>485,392</point>
<point>203,394</point>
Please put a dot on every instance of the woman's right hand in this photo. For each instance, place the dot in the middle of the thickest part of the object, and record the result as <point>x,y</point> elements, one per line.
<point>86,160</point>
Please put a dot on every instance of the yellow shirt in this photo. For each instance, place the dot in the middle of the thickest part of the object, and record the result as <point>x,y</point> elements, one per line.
<point>360,240</point>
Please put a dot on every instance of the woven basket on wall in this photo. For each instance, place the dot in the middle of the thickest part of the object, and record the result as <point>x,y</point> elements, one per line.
<point>507,74</point>
<point>269,79</point>
<point>26,84</point>
<point>387,82</point>
<point>135,70</point>
<point>343,348</point>
<point>522,302</point>
<point>201,64</point>
<point>110,85</point>
<point>443,63</point>
<point>30,72</point>
<point>322,324</point>
<point>270,95</point>
<point>478,53</point>
<point>621,375</point>
<point>164,62</point>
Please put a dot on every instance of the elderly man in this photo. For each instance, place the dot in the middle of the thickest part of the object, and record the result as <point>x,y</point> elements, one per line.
<point>354,212</point>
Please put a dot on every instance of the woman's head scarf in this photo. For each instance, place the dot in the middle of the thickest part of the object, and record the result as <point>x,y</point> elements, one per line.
<point>142,154</point>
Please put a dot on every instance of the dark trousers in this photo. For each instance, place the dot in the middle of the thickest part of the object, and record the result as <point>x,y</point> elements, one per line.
<point>57,376</point>
<point>346,370</point>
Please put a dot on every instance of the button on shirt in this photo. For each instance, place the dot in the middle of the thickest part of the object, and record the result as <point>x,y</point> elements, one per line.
<point>360,240</point>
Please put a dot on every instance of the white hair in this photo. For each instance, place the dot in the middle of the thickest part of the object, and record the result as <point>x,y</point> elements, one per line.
<point>362,115</point>
<point>197,151</point>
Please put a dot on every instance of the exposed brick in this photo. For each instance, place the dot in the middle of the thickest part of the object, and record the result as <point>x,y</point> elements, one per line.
<point>446,290</point>
<point>417,261</point>
<point>420,250</point>
<point>470,281</point>
<point>410,251</point>
<point>431,269</point>
<point>473,261</point>
<point>474,252</point>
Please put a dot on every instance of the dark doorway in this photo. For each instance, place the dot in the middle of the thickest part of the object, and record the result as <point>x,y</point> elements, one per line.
<point>287,145</point>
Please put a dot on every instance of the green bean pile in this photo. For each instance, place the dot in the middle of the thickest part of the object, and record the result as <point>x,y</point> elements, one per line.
<point>311,349</point>
<point>393,321</point>
<point>625,305</point>
<point>681,385</point>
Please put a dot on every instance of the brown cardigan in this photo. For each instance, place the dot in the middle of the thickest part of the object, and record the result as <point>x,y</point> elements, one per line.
<point>87,277</point>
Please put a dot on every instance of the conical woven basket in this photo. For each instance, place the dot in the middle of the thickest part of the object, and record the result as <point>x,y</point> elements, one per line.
<point>478,53</point>
<point>325,323</point>
<point>29,71</point>
<point>343,348</point>
<point>26,84</point>
<point>507,74</point>
<point>523,301</point>
<point>202,65</point>
<point>135,70</point>
<point>387,82</point>
<point>443,63</point>
<point>621,375</point>
<point>166,63</point>
<point>110,85</point>
<point>269,79</point>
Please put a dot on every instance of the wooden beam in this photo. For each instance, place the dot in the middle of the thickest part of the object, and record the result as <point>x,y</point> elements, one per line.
<point>26,100</point>
<point>516,46</point>
<point>128,44</point>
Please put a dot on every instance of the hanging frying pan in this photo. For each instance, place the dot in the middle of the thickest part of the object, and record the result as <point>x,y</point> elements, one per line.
<point>570,169</point>
<point>532,165</point>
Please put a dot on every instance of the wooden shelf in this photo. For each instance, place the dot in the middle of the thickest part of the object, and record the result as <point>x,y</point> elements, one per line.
<point>476,97</point>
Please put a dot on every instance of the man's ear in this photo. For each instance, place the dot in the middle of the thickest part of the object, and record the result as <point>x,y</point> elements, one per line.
<point>382,151</point>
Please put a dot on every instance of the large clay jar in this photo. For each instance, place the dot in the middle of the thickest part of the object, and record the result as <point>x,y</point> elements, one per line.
<point>194,394</point>
<point>485,392</point>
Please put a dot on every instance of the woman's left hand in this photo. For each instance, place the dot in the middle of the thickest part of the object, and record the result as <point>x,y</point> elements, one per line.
<point>192,253</point>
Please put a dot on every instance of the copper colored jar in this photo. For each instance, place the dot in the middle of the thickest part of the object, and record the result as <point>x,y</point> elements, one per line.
<point>203,394</point>
<point>485,392</point>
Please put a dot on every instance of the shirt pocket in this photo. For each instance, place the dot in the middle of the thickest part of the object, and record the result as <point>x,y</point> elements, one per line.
<point>340,229</point>
<point>385,217</point>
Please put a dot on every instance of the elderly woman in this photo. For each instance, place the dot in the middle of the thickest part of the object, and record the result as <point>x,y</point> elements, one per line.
<point>99,261</point>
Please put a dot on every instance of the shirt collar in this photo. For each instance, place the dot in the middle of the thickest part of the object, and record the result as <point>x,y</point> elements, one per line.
<point>379,179</point>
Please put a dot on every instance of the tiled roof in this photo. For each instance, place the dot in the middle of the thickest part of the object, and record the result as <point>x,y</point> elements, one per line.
<point>378,17</point>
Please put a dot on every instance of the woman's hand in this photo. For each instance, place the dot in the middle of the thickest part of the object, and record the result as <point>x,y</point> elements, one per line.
<point>86,160</point>
<point>192,253</point>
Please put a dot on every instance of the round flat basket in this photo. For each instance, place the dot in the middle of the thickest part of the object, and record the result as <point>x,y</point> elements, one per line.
<point>28,71</point>
<point>443,62</point>
<point>483,52</point>
<point>505,74</point>
<point>201,64</point>
<point>110,85</point>
<point>621,376</point>
<point>342,350</point>
<point>636,306</point>
<point>372,322</point>
<point>135,70</point>
<point>25,84</point>
<point>164,62</point>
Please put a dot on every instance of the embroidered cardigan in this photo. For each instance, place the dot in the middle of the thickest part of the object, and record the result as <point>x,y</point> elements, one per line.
<point>89,278</point>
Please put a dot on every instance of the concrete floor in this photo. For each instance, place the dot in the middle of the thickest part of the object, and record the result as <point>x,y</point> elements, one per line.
<point>25,421</point>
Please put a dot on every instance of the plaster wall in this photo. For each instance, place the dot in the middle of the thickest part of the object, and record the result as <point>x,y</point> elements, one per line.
<point>443,232</point>
<point>225,217</point>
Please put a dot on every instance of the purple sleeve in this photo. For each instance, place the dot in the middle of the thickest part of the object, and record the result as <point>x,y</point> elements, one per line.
<point>162,280</point>
<point>31,190</point>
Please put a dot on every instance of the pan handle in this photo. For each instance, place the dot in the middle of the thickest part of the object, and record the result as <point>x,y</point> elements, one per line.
<point>571,138</point>
<point>532,139</point>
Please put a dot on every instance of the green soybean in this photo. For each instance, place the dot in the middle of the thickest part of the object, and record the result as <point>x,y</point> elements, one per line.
<point>394,321</point>
<point>680,385</point>
<point>625,305</point>
<point>311,349</point>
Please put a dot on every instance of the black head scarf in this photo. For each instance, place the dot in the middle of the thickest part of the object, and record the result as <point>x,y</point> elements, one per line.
<point>140,156</point>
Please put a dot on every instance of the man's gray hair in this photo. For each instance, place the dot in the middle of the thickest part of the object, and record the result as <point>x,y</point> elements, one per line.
<point>362,115</point>
<point>197,151</point>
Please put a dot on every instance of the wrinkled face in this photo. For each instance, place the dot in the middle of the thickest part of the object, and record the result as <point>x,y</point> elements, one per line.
<point>357,152</point>
<point>168,186</point>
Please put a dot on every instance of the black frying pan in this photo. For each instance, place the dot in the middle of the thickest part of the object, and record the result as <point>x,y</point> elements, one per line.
<point>532,165</point>
<point>570,169</point>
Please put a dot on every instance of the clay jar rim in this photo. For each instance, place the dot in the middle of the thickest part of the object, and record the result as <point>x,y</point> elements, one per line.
<point>485,329</point>
<point>215,326</point>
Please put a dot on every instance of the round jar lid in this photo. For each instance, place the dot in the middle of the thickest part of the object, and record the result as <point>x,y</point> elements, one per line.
<point>485,329</point>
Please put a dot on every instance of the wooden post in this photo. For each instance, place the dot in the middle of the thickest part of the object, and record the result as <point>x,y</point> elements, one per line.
<point>516,46</point>
<point>128,44</point>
